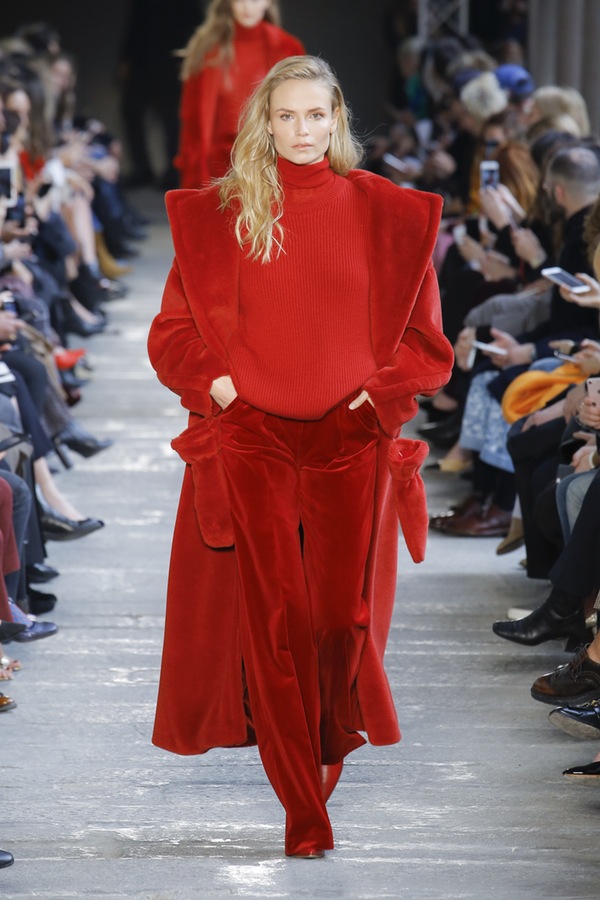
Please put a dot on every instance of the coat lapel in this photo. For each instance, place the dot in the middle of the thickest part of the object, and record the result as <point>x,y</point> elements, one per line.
<point>402,237</point>
<point>209,260</point>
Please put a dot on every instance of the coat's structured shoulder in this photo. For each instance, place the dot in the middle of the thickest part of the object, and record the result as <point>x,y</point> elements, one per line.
<point>188,348</point>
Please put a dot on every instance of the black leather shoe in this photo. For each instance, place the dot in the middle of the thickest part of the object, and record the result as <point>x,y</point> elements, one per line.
<point>8,630</point>
<point>80,441</point>
<point>6,858</point>
<point>36,631</point>
<point>579,723</point>
<point>40,603</point>
<point>544,624</point>
<point>40,573</point>
<point>56,527</point>
<point>574,684</point>
<point>591,772</point>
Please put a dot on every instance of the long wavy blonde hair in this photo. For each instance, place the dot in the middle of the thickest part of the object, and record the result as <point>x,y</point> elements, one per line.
<point>252,184</point>
<point>216,32</point>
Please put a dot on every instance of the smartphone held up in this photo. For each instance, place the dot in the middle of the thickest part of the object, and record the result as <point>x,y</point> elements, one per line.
<point>564,279</point>
<point>489,173</point>
<point>8,185</point>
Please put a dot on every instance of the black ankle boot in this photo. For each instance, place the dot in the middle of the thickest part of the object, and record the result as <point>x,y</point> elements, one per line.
<point>560,616</point>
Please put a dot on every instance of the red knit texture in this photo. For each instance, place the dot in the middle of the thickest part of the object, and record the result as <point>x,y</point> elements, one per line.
<point>248,68</point>
<point>303,341</point>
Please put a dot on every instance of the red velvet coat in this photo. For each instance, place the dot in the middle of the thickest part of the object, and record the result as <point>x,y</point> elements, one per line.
<point>201,698</point>
<point>198,107</point>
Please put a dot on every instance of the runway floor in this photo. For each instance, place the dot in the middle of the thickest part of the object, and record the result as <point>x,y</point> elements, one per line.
<point>471,804</point>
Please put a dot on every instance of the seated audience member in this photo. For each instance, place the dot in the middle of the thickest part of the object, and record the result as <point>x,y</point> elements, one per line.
<point>549,102</point>
<point>573,180</point>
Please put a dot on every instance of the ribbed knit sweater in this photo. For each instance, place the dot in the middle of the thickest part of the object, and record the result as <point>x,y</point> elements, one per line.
<point>303,341</point>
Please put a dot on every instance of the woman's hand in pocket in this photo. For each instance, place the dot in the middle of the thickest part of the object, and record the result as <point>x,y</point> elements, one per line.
<point>358,401</point>
<point>223,391</point>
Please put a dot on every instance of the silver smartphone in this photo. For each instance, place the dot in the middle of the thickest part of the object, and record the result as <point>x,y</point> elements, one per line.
<point>565,279</point>
<point>489,348</point>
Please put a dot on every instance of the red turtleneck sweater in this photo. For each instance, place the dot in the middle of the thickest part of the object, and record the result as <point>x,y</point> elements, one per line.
<point>303,340</point>
<point>249,66</point>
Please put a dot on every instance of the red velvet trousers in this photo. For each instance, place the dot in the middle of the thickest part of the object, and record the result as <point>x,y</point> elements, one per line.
<point>303,618</point>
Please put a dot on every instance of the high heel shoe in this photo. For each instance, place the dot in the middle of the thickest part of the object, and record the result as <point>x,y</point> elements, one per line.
<point>590,772</point>
<point>56,527</point>
<point>87,288</point>
<point>81,441</point>
<point>75,325</point>
<point>62,454</point>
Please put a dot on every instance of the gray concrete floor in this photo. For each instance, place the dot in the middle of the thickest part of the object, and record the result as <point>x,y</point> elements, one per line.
<point>470,804</point>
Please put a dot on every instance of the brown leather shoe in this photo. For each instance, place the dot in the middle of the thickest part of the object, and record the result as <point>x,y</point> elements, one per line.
<point>6,703</point>
<point>488,521</point>
<point>575,683</point>
<point>468,506</point>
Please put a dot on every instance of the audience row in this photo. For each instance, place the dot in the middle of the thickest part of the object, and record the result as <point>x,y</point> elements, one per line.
<point>519,171</point>
<point>67,235</point>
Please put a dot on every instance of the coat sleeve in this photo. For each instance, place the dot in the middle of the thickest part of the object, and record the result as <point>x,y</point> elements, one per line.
<point>421,364</point>
<point>178,352</point>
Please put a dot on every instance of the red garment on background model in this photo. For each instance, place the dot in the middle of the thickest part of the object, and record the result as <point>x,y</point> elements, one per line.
<point>212,100</point>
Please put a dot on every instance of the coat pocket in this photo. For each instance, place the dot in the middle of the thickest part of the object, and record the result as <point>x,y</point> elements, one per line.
<point>405,458</point>
<point>199,446</point>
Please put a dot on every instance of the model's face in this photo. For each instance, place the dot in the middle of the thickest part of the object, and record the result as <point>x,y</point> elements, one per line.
<point>249,13</point>
<point>302,120</point>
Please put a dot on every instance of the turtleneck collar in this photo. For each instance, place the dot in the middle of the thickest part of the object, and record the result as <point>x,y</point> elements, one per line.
<point>306,183</point>
<point>240,33</point>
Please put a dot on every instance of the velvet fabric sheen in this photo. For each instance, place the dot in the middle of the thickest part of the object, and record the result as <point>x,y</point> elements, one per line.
<point>203,700</point>
<point>303,617</point>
